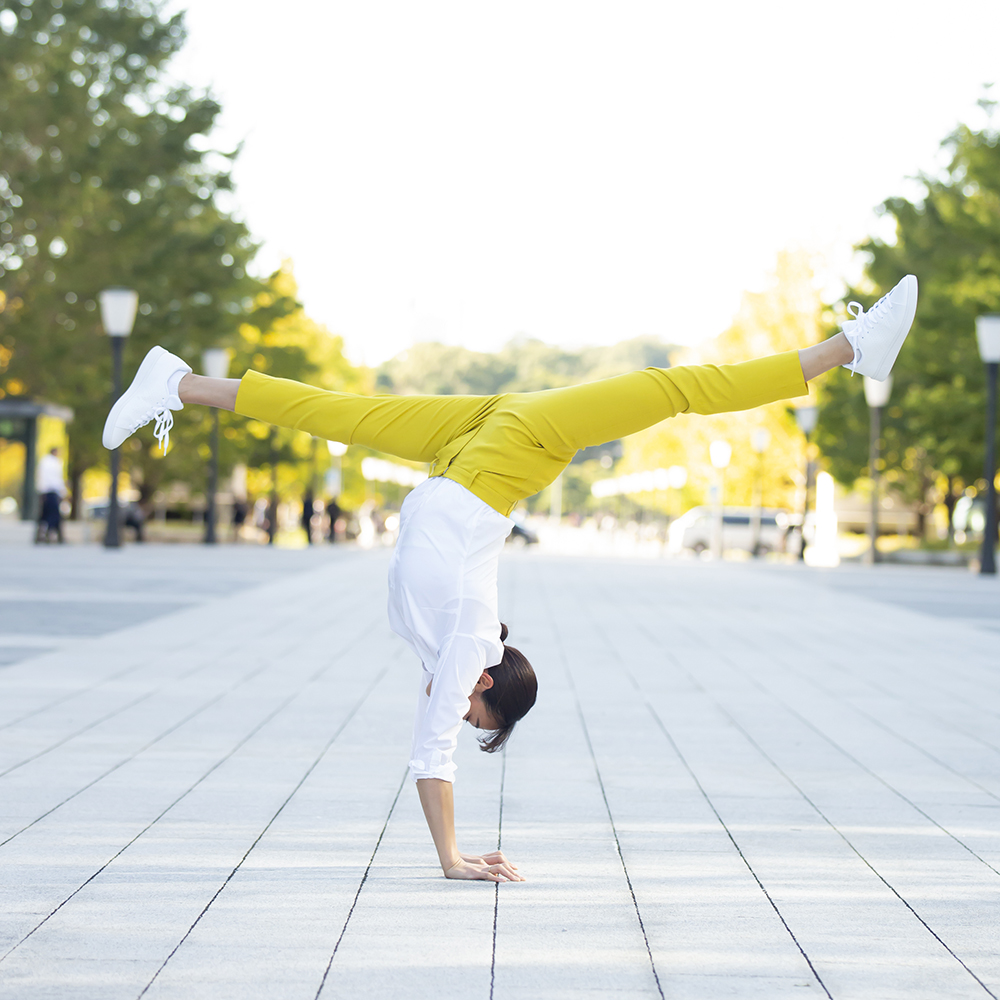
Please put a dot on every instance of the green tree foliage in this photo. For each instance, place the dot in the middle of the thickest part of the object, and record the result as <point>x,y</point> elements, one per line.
<point>784,316</point>
<point>950,239</point>
<point>107,178</point>
<point>293,346</point>
<point>522,365</point>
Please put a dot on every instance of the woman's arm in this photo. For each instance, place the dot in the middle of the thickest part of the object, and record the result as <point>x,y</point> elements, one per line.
<point>438,802</point>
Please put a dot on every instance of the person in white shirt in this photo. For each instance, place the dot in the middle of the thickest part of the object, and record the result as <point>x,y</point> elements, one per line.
<point>51,489</point>
<point>487,454</point>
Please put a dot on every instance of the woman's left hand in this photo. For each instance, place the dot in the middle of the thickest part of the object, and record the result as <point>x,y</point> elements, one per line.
<point>475,868</point>
<point>493,858</point>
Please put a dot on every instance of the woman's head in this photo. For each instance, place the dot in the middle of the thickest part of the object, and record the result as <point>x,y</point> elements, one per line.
<point>510,696</point>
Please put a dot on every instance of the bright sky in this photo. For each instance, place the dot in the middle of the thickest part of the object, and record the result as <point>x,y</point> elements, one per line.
<point>575,171</point>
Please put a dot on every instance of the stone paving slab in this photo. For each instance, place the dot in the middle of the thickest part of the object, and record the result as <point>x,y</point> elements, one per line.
<point>739,780</point>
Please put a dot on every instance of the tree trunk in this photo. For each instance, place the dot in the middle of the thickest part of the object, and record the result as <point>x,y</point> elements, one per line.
<point>76,491</point>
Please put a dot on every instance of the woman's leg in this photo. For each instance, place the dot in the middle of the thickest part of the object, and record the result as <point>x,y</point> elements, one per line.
<point>565,420</point>
<point>410,427</point>
<point>218,392</point>
<point>825,356</point>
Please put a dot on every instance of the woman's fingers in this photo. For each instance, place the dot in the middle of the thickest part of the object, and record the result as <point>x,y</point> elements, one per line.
<point>508,872</point>
<point>491,872</point>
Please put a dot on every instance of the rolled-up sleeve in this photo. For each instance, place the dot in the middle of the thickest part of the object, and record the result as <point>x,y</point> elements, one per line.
<point>440,714</point>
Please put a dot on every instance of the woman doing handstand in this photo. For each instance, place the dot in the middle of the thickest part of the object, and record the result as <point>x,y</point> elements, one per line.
<point>488,453</point>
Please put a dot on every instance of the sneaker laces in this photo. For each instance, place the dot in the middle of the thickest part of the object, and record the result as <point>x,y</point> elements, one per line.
<point>164,418</point>
<point>861,320</point>
<point>857,310</point>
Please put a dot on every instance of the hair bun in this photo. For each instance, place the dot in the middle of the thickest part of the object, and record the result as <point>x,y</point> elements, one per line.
<point>503,632</point>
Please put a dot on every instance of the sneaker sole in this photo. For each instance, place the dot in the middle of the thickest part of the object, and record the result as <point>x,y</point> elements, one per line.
<point>884,368</point>
<point>148,362</point>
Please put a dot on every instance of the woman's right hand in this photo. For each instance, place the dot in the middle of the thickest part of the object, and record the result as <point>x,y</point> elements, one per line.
<point>473,870</point>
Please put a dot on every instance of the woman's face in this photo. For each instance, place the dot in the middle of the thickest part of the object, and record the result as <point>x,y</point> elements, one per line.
<point>478,714</point>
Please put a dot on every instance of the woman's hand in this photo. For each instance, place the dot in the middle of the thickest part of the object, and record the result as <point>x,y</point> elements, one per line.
<point>478,868</point>
<point>493,858</point>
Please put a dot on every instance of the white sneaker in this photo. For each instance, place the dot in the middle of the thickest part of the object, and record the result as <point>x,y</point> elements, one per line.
<point>151,396</point>
<point>877,335</point>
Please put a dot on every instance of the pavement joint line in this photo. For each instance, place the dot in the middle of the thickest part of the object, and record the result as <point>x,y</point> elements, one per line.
<point>126,760</point>
<point>267,826</point>
<point>236,747</point>
<point>876,640</point>
<point>26,595</point>
<point>496,887</point>
<point>937,687</point>
<point>833,826</point>
<point>600,780</point>
<point>42,641</point>
<point>361,885</point>
<point>755,682</point>
<point>708,800</point>
<point>847,702</point>
<point>274,626</point>
<point>718,705</point>
<point>912,705</point>
<point>739,850</point>
<point>837,698</point>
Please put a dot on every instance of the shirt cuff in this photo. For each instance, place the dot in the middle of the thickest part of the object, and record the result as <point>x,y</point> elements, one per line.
<point>420,769</point>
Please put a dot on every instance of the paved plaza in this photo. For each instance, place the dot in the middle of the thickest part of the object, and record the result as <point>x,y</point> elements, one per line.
<point>739,781</point>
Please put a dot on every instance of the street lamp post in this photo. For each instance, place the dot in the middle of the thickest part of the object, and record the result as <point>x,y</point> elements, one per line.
<point>759,440</point>
<point>806,417</point>
<point>719,452</point>
<point>215,364</point>
<point>118,308</point>
<point>877,396</point>
<point>988,336</point>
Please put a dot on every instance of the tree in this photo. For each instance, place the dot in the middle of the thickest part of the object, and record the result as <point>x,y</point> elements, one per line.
<point>522,365</point>
<point>785,316</point>
<point>107,178</point>
<point>950,239</point>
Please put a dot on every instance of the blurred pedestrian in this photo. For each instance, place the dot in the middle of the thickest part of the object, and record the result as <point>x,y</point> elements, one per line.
<point>51,489</point>
<point>308,501</point>
<point>239,517</point>
<point>333,512</point>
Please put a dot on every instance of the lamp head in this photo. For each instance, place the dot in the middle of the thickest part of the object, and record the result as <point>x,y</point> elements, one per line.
<point>118,308</point>
<point>877,393</point>
<point>988,335</point>
<point>760,439</point>
<point>806,417</point>
<point>677,477</point>
<point>215,362</point>
<point>720,453</point>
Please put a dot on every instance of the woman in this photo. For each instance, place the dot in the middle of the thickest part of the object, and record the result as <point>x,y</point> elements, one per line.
<point>487,454</point>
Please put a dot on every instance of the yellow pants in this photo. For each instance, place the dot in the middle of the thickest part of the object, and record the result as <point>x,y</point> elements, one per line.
<point>507,447</point>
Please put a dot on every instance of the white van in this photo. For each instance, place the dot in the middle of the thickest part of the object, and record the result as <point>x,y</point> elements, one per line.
<point>693,529</point>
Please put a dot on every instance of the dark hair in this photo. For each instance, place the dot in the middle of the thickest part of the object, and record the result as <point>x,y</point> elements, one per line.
<point>512,695</point>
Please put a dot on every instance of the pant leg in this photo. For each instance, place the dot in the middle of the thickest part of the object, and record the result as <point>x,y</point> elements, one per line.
<point>583,415</point>
<point>409,427</point>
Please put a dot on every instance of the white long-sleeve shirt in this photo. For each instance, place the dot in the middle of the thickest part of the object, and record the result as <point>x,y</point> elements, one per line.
<point>49,476</point>
<point>443,602</point>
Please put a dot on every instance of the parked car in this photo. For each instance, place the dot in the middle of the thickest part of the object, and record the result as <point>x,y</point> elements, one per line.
<point>693,529</point>
<point>521,534</point>
<point>130,514</point>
